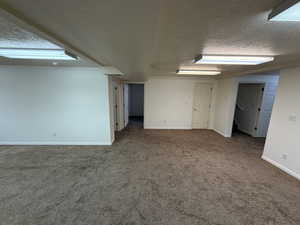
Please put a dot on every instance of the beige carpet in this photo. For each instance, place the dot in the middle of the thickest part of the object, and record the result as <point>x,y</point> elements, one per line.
<point>147,178</point>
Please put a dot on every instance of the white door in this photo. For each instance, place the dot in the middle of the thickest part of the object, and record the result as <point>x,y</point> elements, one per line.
<point>266,109</point>
<point>201,105</point>
<point>126,104</point>
<point>116,99</point>
<point>249,102</point>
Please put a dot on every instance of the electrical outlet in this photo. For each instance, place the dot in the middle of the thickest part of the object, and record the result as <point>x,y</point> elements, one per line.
<point>284,156</point>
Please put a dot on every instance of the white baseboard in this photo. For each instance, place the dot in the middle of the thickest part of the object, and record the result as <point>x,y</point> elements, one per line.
<point>167,128</point>
<point>283,168</point>
<point>54,143</point>
<point>221,133</point>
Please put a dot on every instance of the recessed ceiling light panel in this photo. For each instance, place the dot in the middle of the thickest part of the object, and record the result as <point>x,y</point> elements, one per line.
<point>39,54</point>
<point>288,10</point>
<point>198,72</point>
<point>232,60</point>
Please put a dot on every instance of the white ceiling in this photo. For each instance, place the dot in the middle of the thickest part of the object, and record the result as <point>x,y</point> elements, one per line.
<point>151,38</point>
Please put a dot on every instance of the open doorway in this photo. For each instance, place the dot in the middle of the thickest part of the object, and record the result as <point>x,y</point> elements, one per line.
<point>253,110</point>
<point>248,109</point>
<point>134,104</point>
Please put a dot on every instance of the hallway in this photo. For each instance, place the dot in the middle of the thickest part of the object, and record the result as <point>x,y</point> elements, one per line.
<point>147,177</point>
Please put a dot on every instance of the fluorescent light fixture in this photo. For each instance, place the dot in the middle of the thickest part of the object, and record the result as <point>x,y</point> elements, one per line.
<point>232,60</point>
<point>198,72</point>
<point>288,10</point>
<point>44,54</point>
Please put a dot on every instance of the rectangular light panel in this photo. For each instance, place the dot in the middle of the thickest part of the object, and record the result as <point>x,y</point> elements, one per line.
<point>288,10</point>
<point>43,54</point>
<point>232,60</point>
<point>198,72</point>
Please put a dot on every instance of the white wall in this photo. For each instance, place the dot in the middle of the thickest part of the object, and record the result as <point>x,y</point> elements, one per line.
<point>136,99</point>
<point>227,90</point>
<point>282,145</point>
<point>225,104</point>
<point>54,105</point>
<point>169,102</point>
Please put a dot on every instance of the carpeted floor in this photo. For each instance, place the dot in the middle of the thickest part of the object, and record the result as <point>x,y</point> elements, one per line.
<point>148,177</point>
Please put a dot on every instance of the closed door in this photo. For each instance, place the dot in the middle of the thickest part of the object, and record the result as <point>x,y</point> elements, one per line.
<point>126,104</point>
<point>266,110</point>
<point>201,106</point>
<point>116,99</point>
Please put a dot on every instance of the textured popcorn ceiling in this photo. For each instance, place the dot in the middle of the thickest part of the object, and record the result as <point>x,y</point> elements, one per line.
<point>144,38</point>
<point>13,36</point>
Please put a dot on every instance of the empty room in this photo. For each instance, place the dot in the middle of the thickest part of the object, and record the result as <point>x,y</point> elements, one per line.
<point>161,112</point>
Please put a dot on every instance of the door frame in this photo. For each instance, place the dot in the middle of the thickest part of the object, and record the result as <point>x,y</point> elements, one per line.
<point>128,83</point>
<point>258,106</point>
<point>236,90</point>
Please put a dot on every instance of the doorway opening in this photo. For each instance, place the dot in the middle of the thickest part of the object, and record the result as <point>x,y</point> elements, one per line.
<point>253,110</point>
<point>134,104</point>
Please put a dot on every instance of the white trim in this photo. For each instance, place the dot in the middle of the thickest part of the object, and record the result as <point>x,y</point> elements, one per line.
<point>112,140</point>
<point>55,143</point>
<point>168,128</point>
<point>283,168</point>
<point>221,133</point>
